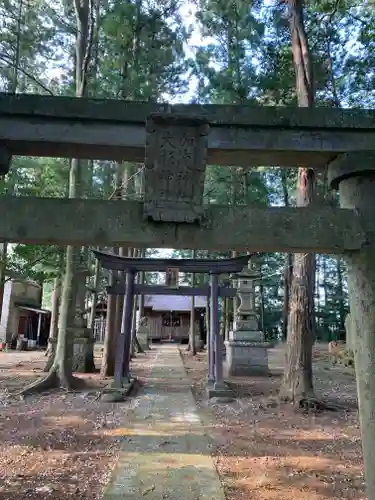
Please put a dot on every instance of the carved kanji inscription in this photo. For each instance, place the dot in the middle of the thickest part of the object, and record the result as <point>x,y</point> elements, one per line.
<point>175,163</point>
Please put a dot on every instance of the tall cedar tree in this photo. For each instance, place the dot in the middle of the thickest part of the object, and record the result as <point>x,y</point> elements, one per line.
<point>297,384</point>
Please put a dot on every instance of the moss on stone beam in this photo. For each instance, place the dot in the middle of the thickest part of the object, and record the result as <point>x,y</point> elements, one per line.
<point>121,223</point>
<point>112,110</point>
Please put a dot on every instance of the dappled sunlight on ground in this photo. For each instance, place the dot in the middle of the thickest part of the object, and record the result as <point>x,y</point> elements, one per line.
<point>51,445</point>
<point>267,451</point>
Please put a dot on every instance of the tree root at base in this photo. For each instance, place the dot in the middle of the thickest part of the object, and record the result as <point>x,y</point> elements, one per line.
<point>53,380</point>
<point>312,404</point>
<point>307,402</point>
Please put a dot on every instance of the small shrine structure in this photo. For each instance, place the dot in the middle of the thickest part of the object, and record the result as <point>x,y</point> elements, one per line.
<point>171,267</point>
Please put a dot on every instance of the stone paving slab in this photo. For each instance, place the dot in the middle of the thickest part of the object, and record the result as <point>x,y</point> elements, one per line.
<point>166,453</point>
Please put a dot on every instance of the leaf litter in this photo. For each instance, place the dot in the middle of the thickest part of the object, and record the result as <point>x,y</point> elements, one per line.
<point>57,445</point>
<point>264,450</point>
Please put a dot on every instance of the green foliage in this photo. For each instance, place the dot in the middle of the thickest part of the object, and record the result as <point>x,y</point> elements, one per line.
<point>144,50</point>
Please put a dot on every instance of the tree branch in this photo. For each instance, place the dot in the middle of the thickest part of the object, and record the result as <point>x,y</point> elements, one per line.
<point>7,60</point>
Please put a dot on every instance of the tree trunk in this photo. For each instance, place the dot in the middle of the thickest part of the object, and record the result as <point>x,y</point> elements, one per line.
<point>60,373</point>
<point>297,384</point>
<point>54,323</point>
<point>94,295</point>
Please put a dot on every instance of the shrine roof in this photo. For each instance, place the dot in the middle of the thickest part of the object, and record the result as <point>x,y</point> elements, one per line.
<point>118,263</point>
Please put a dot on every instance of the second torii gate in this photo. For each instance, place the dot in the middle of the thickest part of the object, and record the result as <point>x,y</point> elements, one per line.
<point>214,267</point>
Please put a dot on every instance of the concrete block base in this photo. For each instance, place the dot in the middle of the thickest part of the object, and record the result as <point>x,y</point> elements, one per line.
<point>219,391</point>
<point>112,394</point>
<point>246,359</point>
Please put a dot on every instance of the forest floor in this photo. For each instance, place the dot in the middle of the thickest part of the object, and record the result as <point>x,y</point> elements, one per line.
<point>57,445</point>
<point>64,445</point>
<point>263,450</point>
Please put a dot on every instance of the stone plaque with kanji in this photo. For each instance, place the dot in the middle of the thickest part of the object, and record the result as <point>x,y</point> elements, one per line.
<point>175,163</point>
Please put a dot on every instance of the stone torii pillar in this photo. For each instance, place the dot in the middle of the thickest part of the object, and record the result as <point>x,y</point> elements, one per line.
<point>217,388</point>
<point>353,174</point>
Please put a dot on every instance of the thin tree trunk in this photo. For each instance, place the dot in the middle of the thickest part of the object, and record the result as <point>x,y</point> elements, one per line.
<point>94,295</point>
<point>54,323</point>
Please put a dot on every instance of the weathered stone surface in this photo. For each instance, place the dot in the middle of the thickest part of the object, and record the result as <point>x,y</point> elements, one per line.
<point>239,135</point>
<point>222,393</point>
<point>357,188</point>
<point>83,350</point>
<point>121,223</point>
<point>343,167</point>
<point>198,341</point>
<point>113,110</point>
<point>244,359</point>
<point>112,394</point>
<point>175,163</point>
<point>248,335</point>
<point>143,335</point>
<point>350,333</point>
<point>246,353</point>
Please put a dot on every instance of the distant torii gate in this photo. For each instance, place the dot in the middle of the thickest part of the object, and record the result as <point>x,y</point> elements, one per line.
<point>131,266</point>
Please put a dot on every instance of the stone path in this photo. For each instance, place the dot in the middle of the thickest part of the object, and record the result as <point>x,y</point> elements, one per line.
<point>165,454</point>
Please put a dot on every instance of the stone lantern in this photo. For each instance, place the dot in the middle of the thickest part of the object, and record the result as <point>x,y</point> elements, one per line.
<point>246,350</point>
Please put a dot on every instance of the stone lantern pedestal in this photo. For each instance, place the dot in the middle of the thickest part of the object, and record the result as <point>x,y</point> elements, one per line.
<point>246,350</point>
<point>83,337</point>
<point>143,333</point>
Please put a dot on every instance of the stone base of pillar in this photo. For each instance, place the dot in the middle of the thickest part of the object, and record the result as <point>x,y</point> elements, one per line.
<point>113,394</point>
<point>245,358</point>
<point>143,338</point>
<point>83,350</point>
<point>219,391</point>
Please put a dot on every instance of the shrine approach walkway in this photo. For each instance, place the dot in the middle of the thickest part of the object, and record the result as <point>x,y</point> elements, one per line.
<point>165,452</point>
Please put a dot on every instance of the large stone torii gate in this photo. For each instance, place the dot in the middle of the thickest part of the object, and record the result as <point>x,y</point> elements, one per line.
<point>176,143</point>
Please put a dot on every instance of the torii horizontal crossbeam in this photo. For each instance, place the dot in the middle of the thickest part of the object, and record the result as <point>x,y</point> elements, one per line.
<point>185,291</point>
<point>103,223</point>
<point>70,127</point>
